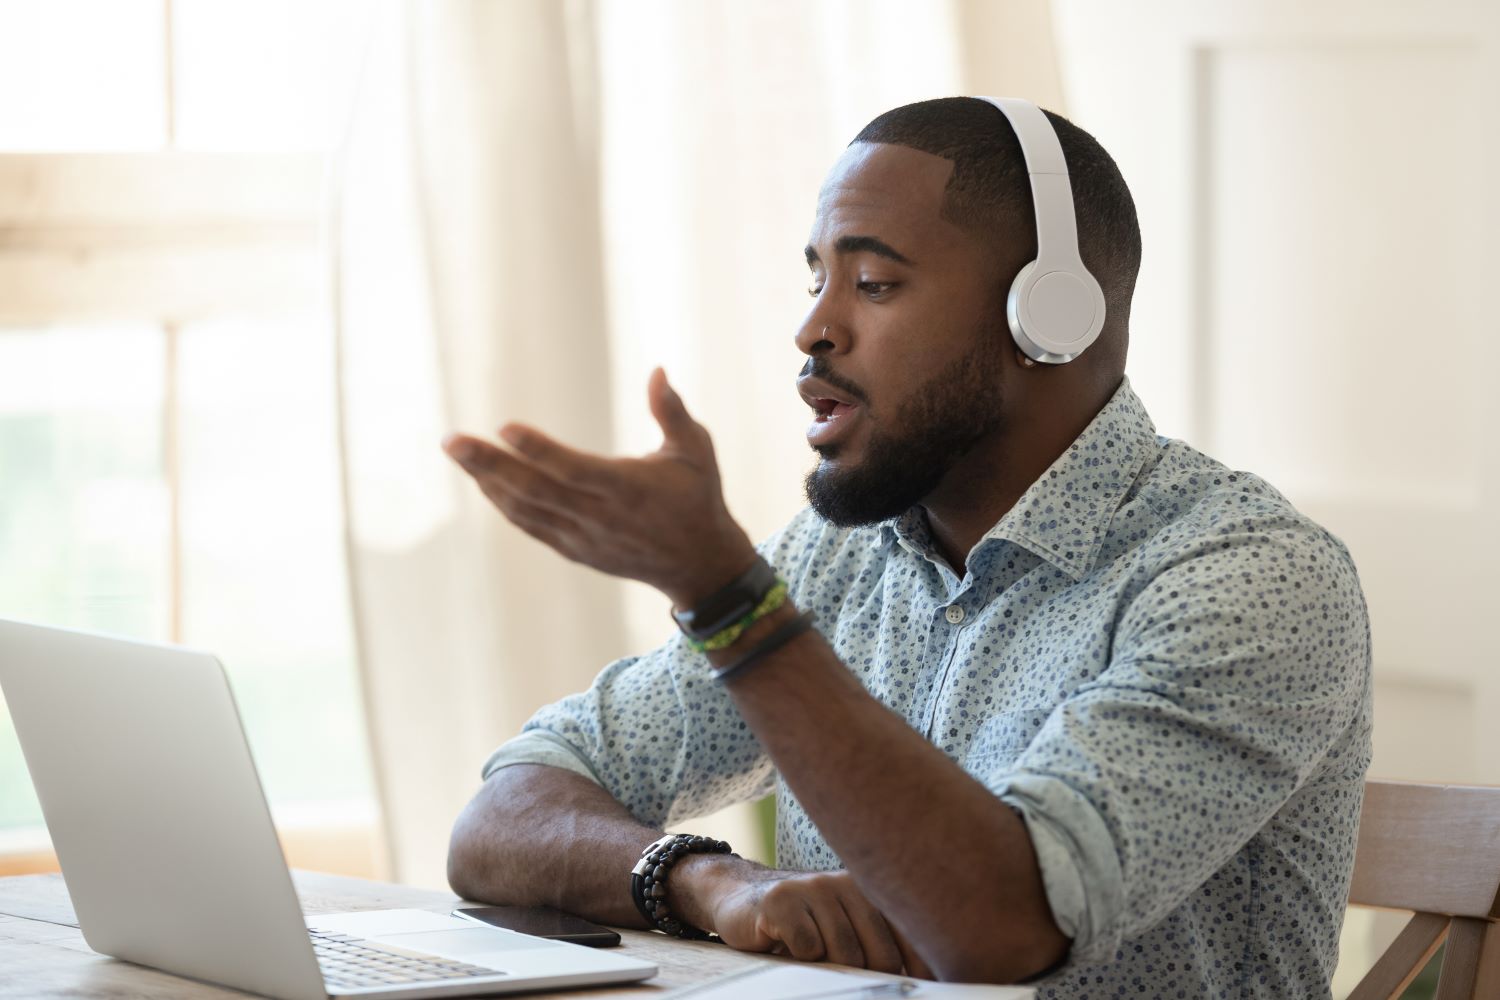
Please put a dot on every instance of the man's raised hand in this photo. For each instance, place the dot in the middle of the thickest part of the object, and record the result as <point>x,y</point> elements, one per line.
<point>660,519</point>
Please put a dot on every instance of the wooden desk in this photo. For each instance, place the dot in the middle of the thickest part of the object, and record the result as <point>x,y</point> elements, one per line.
<point>42,953</point>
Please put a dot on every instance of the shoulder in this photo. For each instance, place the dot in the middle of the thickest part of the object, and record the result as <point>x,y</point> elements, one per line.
<point>1207,511</point>
<point>1235,569</point>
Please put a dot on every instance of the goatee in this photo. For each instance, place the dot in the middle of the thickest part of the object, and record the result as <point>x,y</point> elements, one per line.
<point>910,452</point>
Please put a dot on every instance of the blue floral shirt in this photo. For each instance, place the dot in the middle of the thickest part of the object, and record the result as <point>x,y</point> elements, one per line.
<point>1157,661</point>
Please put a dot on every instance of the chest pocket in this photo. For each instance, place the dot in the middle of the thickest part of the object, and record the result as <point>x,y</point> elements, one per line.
<point>1001,739</point>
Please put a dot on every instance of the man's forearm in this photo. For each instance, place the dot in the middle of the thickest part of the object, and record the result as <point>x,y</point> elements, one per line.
<point>948,863</point>
<point>537,835</point>
<point>542,835</point>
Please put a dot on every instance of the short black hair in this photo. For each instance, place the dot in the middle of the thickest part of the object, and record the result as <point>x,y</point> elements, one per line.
<point>988,192</point>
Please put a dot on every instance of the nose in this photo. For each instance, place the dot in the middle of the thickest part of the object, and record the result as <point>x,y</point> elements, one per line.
<point>821,334</point>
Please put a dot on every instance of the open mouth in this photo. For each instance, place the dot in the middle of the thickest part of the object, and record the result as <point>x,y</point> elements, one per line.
<point>835,410</point>
<point>829,409</point>
<point>832,420</point>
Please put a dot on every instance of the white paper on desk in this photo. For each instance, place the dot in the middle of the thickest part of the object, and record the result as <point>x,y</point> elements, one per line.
<point>802,982</point>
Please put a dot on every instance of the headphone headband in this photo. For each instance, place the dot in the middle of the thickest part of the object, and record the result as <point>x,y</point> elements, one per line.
<point>1055,307</point>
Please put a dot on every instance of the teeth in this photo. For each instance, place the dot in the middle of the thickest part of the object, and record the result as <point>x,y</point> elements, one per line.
<point>825,407</point>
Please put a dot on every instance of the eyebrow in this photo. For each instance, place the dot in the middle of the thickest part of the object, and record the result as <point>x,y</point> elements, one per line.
<point>860,244</point>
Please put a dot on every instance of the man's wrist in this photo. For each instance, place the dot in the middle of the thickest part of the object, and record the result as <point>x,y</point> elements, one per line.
<point>721,658</point>
<point>710,576</point>
<point>698,881</point>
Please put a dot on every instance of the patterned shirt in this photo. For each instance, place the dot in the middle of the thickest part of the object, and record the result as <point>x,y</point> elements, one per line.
<point>1158,662</point>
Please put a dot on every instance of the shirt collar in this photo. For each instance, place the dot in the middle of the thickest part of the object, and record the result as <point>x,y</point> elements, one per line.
<point>1063,516</point>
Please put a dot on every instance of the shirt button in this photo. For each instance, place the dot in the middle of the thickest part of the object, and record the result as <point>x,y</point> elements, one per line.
<point>954,614</point>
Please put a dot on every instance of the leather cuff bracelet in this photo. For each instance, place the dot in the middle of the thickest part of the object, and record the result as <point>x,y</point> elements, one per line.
<point>648,880</point>
<point>735,605</point>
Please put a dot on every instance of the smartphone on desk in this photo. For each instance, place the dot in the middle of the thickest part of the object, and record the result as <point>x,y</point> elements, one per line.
<point>542,922</point>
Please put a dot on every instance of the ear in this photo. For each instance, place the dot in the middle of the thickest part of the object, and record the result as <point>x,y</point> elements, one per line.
<point>1023,360</point>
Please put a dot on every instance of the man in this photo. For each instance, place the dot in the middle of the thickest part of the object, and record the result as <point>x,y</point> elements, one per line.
<point>1080,703</point>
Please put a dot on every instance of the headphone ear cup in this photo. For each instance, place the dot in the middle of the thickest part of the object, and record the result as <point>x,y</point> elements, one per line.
<point>1054,315</point>
<point>1013,302</point>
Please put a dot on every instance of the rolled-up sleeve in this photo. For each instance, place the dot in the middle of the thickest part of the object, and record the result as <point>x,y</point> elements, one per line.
<point>1235,670</point>
<point>656,732</point>
<point>538,746</point>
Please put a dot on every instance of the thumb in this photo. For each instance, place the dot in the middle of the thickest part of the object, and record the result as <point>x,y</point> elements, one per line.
<point>677,425</point>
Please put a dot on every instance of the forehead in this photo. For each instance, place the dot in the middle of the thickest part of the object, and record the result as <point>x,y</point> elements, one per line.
<point>888,191</point>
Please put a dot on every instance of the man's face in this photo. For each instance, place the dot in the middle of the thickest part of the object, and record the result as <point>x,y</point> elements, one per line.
<point>905,338</point>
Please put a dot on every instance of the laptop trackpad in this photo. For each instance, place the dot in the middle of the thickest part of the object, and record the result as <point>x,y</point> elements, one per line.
<point>466,943</point>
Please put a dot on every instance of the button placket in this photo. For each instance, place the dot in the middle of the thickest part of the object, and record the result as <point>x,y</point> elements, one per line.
<point>953,614</point>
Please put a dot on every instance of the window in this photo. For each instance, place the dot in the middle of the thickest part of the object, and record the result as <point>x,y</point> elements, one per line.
<point>168,462</point>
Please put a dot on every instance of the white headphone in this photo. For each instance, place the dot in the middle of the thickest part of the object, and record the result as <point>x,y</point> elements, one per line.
<point>1055,308</point>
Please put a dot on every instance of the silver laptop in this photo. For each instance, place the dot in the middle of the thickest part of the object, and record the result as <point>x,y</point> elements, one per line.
<point>166,844</point>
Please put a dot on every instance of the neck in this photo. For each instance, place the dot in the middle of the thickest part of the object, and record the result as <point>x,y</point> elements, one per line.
<point>985,485</point>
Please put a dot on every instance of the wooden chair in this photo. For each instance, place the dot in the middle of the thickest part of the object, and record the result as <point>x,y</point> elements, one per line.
<point>1435,850</point>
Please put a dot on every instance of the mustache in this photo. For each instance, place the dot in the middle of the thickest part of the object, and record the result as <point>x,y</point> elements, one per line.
<point>818,367</point>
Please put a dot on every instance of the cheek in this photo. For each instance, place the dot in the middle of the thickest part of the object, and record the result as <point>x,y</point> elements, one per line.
<point>923,343</point>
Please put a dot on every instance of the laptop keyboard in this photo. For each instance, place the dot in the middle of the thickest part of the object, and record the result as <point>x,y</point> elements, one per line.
<point>351,963</point>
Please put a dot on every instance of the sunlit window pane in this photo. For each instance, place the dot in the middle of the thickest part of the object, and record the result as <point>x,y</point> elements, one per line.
<point>263,570</point>
<point>84,514</point>
<point>83,537</point>
<point>82,74</point>
<point>273,74</point>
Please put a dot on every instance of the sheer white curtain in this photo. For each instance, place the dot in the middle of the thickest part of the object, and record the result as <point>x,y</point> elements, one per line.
<point>469,291</point>
<point>539,202</point>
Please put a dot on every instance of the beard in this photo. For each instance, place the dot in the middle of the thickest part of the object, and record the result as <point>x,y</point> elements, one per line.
<point>932,430</point>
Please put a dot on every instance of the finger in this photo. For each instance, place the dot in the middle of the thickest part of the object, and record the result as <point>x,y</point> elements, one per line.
<point>497,469</point>
<point>514,506</point>
<point>553,528</point>
<point>459,447</point>
<point>797,930</point>
<point>909,957</point>
<point>876,939</point>
<point>840,941</point>
<point>557,539</point>
<point>567,465</point>
<point>677,425</point>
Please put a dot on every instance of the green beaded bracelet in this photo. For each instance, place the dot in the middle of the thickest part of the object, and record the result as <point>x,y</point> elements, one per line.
<point>785,634</point>
<point>775,598</point>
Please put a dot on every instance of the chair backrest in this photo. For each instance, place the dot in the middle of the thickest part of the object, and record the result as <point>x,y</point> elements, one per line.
<point>1434,850</point>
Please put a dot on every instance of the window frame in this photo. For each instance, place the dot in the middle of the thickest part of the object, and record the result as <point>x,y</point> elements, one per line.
<point>171,238</point>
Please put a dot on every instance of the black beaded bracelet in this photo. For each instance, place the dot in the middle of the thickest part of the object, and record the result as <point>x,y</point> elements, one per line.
<point>648,880</point>
<point>785,634</point>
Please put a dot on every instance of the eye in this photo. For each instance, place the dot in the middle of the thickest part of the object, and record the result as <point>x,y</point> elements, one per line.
<point>813,290</point>
<point>876,289</point>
